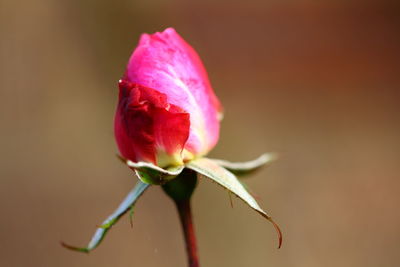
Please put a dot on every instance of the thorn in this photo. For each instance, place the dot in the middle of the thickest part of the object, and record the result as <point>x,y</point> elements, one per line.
<point>230,198</point>
<point>131,216</point>
<point>256,196</point>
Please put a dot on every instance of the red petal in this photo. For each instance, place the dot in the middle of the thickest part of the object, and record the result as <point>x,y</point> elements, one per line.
<point>171,130</point>
<point>145,123</point>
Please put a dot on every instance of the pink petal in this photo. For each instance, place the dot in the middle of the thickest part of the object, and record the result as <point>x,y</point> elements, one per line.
<point>165,62</point>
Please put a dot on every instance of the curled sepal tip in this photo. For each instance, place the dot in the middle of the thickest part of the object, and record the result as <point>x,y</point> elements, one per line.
<point>152,174</point>
<point>277,228</point>
<point>244,168</point>
<point>102,230</point>
<point>84,250</point>
<point>228,180</point>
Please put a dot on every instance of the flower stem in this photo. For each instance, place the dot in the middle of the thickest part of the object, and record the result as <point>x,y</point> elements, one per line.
<point>185,215</point>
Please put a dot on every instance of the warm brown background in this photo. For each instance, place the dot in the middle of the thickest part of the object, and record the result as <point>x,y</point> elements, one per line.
<point>316,81</point>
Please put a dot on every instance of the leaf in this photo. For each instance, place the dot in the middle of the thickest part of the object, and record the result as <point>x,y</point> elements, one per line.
<point>152,174</point>
<point>212,170</point>
<point>102,230</point>
<point>244,168</point>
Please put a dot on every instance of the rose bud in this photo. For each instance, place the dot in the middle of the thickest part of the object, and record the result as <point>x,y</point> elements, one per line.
<point>167,112</point>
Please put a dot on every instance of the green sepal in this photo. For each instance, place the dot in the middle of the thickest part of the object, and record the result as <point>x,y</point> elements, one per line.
<point>182,187</point>
<point>152,174</point>
<point>244,168</point>
<point>210,169</point>
<point>102,230</point>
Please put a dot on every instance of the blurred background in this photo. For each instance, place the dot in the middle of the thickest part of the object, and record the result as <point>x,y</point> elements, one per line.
<point>316,81</point>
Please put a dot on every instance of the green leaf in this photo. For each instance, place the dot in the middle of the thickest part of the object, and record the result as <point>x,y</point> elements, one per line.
<point>244,168</point>
<point>152,174</point>
<point>228,180</point>
<point>102,230</point>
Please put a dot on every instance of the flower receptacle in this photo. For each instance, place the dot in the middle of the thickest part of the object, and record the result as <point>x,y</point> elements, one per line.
<point>182,187</point>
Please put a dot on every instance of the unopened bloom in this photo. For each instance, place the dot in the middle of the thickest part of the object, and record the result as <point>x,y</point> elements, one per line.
<point>167,112</point>
<point>167,119</point>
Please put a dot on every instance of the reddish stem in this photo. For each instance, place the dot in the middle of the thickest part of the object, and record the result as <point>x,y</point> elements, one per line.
<point>185,216</point>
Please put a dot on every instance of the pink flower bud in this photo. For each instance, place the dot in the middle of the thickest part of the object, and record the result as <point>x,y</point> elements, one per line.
<point>167,112</point>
